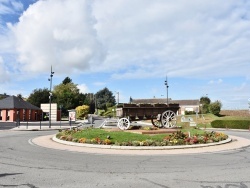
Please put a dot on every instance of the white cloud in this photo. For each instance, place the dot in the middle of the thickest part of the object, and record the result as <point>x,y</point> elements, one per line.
<point>135,39</point>
<point>64,38</point>
<point>219,81</point>
<point>181,38</point>
<point>83,88</point>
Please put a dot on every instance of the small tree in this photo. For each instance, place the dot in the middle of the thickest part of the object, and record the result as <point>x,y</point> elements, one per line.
<point>82,111</point>
<point>215,107</point>
<point>104,98</point>
<point>204,101</point>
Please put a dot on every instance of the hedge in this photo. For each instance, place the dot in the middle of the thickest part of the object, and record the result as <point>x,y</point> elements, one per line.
<point>231,124</point>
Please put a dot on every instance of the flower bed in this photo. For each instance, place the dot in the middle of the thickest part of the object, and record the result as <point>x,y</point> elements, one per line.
<point>100,136</point>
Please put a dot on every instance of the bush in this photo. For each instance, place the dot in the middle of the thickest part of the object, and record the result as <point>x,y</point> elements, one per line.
<point>82,111</point>
<point>232,124</point>
<point>189,112</point>
<point>215,107</point>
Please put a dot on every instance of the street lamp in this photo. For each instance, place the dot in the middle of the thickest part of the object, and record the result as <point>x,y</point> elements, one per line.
<point>117,98</point>
<point>166,84</point>
<point>50,95</point>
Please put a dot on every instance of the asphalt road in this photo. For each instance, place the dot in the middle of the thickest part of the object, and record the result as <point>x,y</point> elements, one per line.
<point>25,165</point>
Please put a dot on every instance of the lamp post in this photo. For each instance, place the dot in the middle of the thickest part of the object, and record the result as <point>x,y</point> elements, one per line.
<point>166,84</point>
<point>50,95</point>
<point>117,98</point>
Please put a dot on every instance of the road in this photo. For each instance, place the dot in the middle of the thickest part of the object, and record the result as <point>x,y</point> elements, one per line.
<point>25,165</point>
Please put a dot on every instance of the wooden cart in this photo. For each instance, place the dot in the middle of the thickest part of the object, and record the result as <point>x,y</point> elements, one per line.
<point>161,115</point>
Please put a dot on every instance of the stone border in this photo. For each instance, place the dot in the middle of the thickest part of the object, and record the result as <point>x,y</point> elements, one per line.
<point>139,147</point>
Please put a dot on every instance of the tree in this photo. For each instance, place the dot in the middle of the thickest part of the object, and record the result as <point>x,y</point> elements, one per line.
<point>39,96</point>
<point>82,111</point>
<point>67,80</point>
<point>68,95</point>
<point>3,96</point>
<point>215,107</point>
<point>204,101</point>
<point>20,96</point>
<point>105,98</point>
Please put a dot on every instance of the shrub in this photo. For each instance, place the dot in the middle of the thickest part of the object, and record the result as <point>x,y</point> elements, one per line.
<point>82,140</point>
<point>232,124</point>
<point>107,141</point>
<point>189,112</point>
<point>69,138</point>
<point>215,107</point>
<point>82,111</point>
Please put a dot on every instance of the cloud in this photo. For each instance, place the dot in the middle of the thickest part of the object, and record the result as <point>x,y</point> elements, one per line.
<point>135,39</point>
<point>219,81</point>
<point>181,38</point>
<point>83,88</point>
<point>64,38</point>
<point>17,5</point>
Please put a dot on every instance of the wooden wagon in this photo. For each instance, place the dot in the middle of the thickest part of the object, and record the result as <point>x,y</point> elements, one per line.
<point>161,115</point>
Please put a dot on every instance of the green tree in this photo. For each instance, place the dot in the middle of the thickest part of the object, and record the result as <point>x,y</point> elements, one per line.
<point>215,107</point>
<point>2,96</point>
<point>205,101</point>
<point>39,96</point>
<point>68,95</point>
<point>67,80</point>
<point>104,99</point>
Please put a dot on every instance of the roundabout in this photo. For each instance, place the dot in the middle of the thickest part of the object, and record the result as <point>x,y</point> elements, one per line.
<point>50,141</point>
<point>33,159</point>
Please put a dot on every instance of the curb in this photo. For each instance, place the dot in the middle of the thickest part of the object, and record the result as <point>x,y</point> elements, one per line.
<point>140,147</point>
<point>224,129</point>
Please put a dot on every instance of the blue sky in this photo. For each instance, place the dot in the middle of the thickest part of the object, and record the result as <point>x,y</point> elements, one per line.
<point>129,47</point>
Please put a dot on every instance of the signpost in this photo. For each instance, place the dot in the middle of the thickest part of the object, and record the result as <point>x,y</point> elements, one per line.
<point>72,117</point>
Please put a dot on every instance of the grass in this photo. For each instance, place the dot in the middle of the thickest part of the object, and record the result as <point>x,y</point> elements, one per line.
<point>118,136</point>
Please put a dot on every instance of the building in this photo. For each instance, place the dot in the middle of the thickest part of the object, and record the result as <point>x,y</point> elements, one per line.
<point>16,109</point>
<point>55,114</point>
<point>185,105</point>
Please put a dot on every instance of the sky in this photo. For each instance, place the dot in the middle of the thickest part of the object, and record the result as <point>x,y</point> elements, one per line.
<point>202,47</point>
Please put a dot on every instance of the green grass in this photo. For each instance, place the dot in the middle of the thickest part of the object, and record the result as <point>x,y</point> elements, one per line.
<point>118,136</point>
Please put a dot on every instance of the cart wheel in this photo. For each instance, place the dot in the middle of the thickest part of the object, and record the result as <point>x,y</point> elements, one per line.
<point>156,122</point>
<point>123,123</point>
<point>168,119</point>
